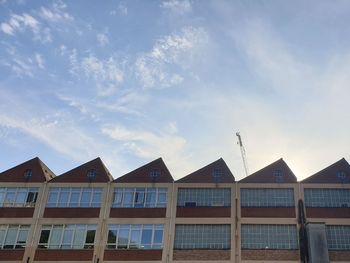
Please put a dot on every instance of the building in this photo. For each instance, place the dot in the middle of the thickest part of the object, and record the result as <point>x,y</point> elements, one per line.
<point>84,215</point>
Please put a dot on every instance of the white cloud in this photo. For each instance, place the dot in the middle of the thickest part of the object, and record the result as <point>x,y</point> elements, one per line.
<point>122,9</point>
<point>21,23</point>
<point>40,60</point>
<point>174,49</point>
<point>177,6</point>
<point>106,73</point>
<point>7,29</point>
<point>102,39</point>
<point>149,145</point>
<point>55,14</point>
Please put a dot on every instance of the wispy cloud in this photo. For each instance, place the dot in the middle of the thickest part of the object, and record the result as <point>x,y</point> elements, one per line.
<point>177,6</point>
<point>56,13</point>
<point>40,60</point>
<point>121,9</point>
<point>106,73</point>
<point>174,49</point>
<point>147,145</point>
<point>102,39</point>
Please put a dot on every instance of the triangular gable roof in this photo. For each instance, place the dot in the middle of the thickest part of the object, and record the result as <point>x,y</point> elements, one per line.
<point>40,172</point>
<point>206,174</point>
<point>80,173</point>
<point>331,174</point>
<point>268,174</point>
<point>142,174</point>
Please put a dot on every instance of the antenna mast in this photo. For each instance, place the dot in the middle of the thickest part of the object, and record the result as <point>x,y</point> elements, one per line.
<point>243,153</point>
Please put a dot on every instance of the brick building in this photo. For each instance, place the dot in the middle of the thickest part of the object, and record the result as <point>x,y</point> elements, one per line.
<point>84,215</point>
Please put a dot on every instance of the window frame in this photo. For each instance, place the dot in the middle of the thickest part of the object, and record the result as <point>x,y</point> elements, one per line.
<point>16,191</point>
<point>151,197</point>
<point>16,244</point>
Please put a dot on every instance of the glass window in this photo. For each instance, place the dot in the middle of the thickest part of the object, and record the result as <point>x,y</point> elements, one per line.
<point>326,197</point>
<point>204,197</point>
<point>267,197</point>
<point>135,236</point>
<point>338,237</point>
<point>67,236</point>
<point>202,237</point>
<point>140,197</point>
<point>74,197</point>
<point>13,236</point>
<point>269,237</point>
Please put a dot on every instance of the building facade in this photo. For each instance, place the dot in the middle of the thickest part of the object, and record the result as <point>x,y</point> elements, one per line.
<point>84,215</point>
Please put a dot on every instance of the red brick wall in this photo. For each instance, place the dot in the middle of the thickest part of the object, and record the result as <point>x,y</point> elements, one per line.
<point>63,254</point>
<point>203,211</point>
<point>130,255</point>
<point>78,212</point>
<point>268,212</point>
<point>336,212</point>
<point>269,254</point>
<point>11,212</point>
<point>11,254</point>
<point>137,212</point>
<point>201,254</point>
<point>339,255</point>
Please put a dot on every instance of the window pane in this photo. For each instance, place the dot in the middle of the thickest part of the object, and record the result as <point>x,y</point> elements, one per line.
<point>52,199</point>
<point>135,238</point>
<point>128,198</point>
<point>11,237</point>
<point>139,197</point>
<point>55,237</point>
<point>2,197</point>
<point>151,197</point>
<point>20,198</point>
<point>10,198</point>
<point>118,194</point>
<point>123,238</point>
<point>22,238</point>
<point>63,199</point>
<point>67,236</point>
<point>74,197</point>
<point>2,236</point>
<point>146,239</point>
<point>112,237</point>
<point>96,198</point>
<point>85,198</point>
<point>44,237</point>
<point>90,238</point>
<point>79,237</point>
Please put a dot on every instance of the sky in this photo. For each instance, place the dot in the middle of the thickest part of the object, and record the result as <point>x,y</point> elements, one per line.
<point>132,81</point>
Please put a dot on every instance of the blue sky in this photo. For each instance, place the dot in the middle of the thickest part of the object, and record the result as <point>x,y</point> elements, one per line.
<point>131,81</point>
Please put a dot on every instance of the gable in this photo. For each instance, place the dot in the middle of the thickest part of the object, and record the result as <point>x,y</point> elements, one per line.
<point>21,173</point>
<point>277,172</point>
<point>216,172</point>
<point>81,173</point>
<point>153,172</point>
<point>337,173</point>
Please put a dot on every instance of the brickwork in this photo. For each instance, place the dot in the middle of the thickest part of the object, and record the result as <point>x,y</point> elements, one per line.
<point>339,255</point>
<point>269,254</point>
<point>63,254</point>
<point>11,255</point>
<point>280,212</point>
<point>203,212</point>
<point>11,212</point>
<point>76,212</point>
<point>137,212</point>
<point>132,255</point>
<point>329,212</point>
<point>201,254</point>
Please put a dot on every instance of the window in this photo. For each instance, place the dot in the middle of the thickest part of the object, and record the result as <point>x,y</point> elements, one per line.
<point>204,196</point>
<point>269,237</point>
<point>67,236</point>
<point>338,237</point>
<point>28,173</point>
<point>140,197</point>
<point>74,197</point>
<point>13,236</point>
<point>135,236</point>
<point>267,197</point>
<point>217,174</point>
<point>18,196</point>
<point>278,174</point>
<point>154,174</point>
<point>327,197</point>
<point>202,237</point>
